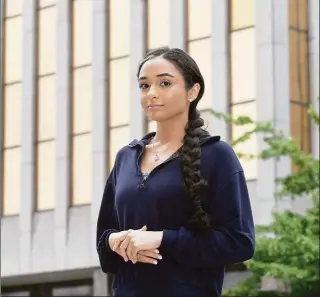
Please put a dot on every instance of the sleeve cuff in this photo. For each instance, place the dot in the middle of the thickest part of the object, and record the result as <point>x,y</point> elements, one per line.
<point>105,239</point>
<point>169,240</point>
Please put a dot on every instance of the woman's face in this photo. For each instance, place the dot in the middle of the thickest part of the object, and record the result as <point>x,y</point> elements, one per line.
<point>162,90</point>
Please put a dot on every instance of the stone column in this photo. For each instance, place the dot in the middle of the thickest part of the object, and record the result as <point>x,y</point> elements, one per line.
<point>314,68</point>
<point>63,126</point>
<point>178,24</point>
<point>137,52</point>
<point>273,98</point>
<point>99,107</point>
<point>28,129</point>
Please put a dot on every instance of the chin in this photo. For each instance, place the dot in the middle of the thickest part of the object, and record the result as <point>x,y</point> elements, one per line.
<point>157,117</point>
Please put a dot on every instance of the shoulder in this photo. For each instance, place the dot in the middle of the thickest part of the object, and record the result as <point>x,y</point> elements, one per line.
<point>127,150</point>
<point>221,159</point>
<point>123,153</point>
<point>214,145</point>
<point>134,144</point>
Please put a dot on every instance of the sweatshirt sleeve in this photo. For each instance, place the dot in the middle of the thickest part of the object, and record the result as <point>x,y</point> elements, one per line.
<point>233,241</point>
<point>107,223</point>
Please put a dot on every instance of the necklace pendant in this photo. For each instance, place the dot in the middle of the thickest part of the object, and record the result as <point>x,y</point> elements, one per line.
<point>156,158</point>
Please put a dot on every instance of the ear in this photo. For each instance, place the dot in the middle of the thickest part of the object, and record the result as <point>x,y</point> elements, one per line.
<point>193,92</point>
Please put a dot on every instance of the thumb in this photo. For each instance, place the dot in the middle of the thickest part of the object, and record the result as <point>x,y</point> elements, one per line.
<point>144,228</point>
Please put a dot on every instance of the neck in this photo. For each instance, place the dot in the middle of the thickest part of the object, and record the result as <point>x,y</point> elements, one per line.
<point>172,130</point>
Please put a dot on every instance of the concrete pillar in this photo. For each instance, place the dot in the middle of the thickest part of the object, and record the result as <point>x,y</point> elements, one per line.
<point>273,98</point>
<point>1,104</point>
<point>63,129</point>
<point>1,107</point>
<point>314,68</point>
<point>220,66</point>
<point>99,108</point>
<point>28,129</point>
<point>102,284</point>
<point>137,52</point>
<point>178,24</point>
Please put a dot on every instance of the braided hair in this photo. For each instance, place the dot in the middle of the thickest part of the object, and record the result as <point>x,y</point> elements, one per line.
<point>190,152</point>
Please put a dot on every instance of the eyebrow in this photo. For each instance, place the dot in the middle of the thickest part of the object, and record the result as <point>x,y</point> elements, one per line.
<point>158,75</point>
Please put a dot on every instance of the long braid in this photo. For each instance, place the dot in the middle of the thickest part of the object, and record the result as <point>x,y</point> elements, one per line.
<point>194,183</point>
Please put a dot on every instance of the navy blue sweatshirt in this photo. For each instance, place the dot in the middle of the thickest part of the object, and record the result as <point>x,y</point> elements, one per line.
<point>193,264</point>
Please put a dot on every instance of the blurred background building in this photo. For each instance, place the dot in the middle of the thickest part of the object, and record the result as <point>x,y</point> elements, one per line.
<point>69,101</point>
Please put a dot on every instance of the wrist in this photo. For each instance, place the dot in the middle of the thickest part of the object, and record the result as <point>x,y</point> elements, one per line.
<point>159,236</point>
<point>109,241</point>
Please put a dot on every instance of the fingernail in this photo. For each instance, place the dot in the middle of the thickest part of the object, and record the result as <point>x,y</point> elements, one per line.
<point>155,262</point>
<point>159,257</point>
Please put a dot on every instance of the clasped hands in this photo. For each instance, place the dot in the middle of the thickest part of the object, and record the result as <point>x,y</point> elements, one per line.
<point>137,245</point>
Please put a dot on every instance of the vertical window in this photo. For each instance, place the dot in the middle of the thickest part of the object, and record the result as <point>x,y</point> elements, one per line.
<point>119,137</point>
<point>158,22</point>
<point>199,50</point>
<point>13,49</point>
<point>46,158</point>
<point>47,40</point>
<point>119,78</point>
<point>250,146</point>
<point>81,102</point>
<point>46,105</point>
<point>12,82</point>
<point>119,92</point>
<point>81,169</point>
<point>82,127</point>
<point>81,32</point>
<point>13,8</point>
<point>119,22</point>
<point>242,14</point>
<point>242,57</point>
<point>12,149</point>
<point>119,106</point>
<point>243,92</point>
<point>199,44</point>
<point>299,73</point>
<point>199,19</point>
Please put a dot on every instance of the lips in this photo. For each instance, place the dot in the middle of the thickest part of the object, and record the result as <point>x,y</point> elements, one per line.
<point>155,105</point>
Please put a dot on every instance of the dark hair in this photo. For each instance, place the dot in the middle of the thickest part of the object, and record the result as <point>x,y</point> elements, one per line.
<point>190,153</point>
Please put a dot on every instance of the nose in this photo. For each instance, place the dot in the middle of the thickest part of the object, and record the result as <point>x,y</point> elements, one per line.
<point>152,94</point>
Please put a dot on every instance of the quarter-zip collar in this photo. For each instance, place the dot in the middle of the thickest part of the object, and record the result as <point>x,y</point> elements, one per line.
<point>147,138</point>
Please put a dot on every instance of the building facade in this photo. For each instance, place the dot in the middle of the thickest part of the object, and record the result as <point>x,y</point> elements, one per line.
<point>70,100</point>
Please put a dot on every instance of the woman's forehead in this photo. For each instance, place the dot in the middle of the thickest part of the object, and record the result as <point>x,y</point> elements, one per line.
<point>156,66</point>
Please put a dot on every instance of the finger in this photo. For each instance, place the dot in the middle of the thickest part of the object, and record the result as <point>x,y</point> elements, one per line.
<point>144,228</point>
<point>134,252</point>
<point>123,247</point>
<point>129,252</point>
<point>144,259</point>
<point>115,245</point>
<point>150,254</point>
<point>118,252</point>
<point>155,251</point>
<point>118,239</point>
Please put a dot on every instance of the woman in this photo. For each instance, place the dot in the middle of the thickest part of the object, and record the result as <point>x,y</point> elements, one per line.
<point>175,209</point>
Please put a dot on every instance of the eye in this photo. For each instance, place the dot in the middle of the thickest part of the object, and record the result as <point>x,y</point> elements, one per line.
<point>143,86</point>
<point>165,83</point>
